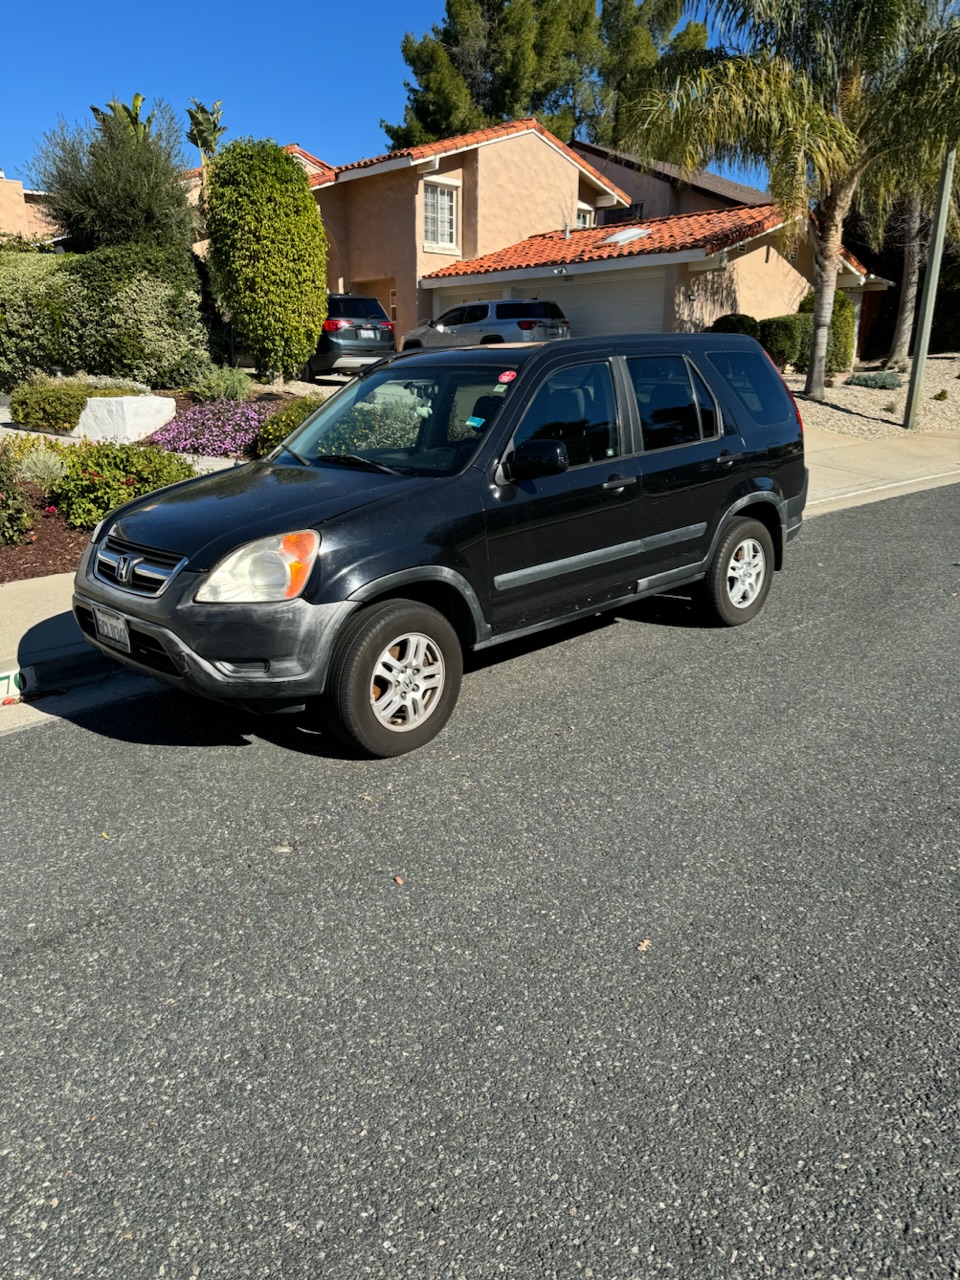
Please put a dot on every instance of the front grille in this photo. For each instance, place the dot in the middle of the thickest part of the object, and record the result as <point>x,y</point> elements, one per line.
<point>140,570</point>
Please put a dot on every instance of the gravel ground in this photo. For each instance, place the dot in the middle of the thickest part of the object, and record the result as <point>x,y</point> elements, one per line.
<point>876,415</point>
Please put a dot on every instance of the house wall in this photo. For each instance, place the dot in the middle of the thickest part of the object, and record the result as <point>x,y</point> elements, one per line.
<point>524,187</point>
<point>21,212</point>
<point>759,282</point>
<point>371,238</point>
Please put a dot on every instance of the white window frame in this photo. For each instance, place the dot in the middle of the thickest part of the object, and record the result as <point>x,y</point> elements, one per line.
<point>588,213</point>
<point>442,187</point>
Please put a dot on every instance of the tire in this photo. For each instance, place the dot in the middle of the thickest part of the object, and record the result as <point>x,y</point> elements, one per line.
<point>412,346</point>
<point>489,342</point>
<point>740,574</point>
<point>375,698</point>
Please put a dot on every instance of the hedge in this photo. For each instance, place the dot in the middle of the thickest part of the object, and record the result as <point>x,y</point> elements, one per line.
<point>123,311</point>
<point>284,422</point>
<point>780,335</point>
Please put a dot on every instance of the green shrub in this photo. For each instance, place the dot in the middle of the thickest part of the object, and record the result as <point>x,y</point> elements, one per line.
<point>842,332</point>
<point>780,335</point>
<point>122,311</point>
<point>43,467</point>
<point>881,381</point>
<point>736,322</point>
<point>100,477</point>
<point>16,512</point>
<point>54,404</point>
<point>134,313</point>
<point>31,316</point>
<point>268,252</point>
<point>222,382</point>
<point>283,423</point>
<point>941,395</point>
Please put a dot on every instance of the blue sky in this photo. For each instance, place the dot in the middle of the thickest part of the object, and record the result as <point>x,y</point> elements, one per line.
<point>321,74</point>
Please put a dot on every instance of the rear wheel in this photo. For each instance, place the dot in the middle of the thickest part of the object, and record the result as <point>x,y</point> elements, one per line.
<point>740,573</point>
<point>395,679</point>
<point>412,346</point>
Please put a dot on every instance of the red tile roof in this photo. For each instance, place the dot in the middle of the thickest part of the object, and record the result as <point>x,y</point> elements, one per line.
<point>494,133</point>
<point>711,230</point>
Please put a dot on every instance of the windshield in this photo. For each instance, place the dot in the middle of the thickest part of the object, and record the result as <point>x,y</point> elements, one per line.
<point>418,421</point>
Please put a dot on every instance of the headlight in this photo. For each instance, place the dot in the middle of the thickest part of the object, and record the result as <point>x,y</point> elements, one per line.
<point>274,568</point>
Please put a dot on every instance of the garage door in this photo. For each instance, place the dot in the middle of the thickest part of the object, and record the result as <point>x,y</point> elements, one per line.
<point>612,305</point>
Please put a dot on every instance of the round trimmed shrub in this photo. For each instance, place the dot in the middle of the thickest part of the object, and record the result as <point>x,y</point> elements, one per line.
<point>736,322</point>
<point>780,336</point>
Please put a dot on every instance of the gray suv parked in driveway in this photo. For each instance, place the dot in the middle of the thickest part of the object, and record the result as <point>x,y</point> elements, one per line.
<point>506,320</point>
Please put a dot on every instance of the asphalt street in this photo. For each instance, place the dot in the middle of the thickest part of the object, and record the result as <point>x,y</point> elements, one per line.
<point>647,966</point>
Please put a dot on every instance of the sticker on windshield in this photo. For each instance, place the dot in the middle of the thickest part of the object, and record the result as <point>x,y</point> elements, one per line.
<point>476,423</point>
<point>508,375</point>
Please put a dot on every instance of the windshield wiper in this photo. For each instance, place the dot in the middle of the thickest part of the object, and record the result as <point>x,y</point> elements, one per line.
<point>299,456</point>
<point>354,459</point>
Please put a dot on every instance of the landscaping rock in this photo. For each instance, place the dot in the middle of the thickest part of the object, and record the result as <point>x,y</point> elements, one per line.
<point>124,419</point>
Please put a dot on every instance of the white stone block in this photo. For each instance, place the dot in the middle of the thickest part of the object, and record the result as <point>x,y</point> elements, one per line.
<point>124,419</point>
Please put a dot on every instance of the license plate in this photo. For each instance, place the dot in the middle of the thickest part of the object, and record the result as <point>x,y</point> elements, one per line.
<point>367,333</point>
<point>112,628</point>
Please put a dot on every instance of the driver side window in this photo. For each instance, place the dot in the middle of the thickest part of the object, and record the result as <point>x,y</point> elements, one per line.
<point>577,407</point>
<point>449,318</point>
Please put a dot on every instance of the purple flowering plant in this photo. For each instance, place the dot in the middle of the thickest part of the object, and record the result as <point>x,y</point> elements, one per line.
<point>219,428</point>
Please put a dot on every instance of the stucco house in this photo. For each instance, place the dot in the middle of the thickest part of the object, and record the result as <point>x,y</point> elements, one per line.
<point>513,211</point>
<point>22,213</point>
<point>397,218</point>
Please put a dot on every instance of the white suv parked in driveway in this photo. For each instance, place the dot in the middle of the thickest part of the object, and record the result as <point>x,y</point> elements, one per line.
<point>506,320</point>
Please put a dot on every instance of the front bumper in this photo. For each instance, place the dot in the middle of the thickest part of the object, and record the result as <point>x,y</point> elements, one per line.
<point>266,657</point>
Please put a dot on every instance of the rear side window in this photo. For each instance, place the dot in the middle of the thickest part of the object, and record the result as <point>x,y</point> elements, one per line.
<point>756,384</point>
<point>475,313</point>
<point>670,409</point>
<point>529,311</point>
<point>365,308</point>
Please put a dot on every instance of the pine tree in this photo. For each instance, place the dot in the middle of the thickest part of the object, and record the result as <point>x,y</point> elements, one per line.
<point>559,60</point>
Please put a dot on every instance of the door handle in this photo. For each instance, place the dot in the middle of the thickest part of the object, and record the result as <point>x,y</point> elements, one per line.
<point>617,483</point>
<point>726,459</point>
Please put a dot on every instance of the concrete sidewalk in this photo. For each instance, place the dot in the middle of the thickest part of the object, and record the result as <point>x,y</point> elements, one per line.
<point>42,649</point>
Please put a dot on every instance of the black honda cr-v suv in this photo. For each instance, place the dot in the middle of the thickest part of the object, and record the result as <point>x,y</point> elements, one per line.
<point>447,501</point>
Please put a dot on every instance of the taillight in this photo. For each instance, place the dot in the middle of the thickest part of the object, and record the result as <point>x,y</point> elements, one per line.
<point>331,326</point>
<point>387,324</point>
<point>526,325</point>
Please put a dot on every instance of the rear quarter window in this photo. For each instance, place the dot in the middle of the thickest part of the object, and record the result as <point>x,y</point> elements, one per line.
<point>755,384</point>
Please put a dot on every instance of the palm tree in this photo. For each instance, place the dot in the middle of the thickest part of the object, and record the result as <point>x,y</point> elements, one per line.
<point>825,94</point>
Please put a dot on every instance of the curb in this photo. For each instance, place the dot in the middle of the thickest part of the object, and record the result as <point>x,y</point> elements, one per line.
<point>78,666</point>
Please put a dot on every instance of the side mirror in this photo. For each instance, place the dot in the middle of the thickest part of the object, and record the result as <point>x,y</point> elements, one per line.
<point>536,458</point>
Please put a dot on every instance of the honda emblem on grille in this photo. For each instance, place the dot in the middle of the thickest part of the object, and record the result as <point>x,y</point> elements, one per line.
<point>124,569</point>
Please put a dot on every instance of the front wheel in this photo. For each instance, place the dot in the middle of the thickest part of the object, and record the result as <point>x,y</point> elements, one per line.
<point>740,574</point>
<point>395,678</point>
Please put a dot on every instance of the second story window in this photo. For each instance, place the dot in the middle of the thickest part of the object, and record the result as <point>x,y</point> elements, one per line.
<point>439,215</point>
<point>584,215</point>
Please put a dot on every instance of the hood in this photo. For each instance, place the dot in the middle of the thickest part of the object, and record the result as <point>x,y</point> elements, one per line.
<point>206,518</point>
